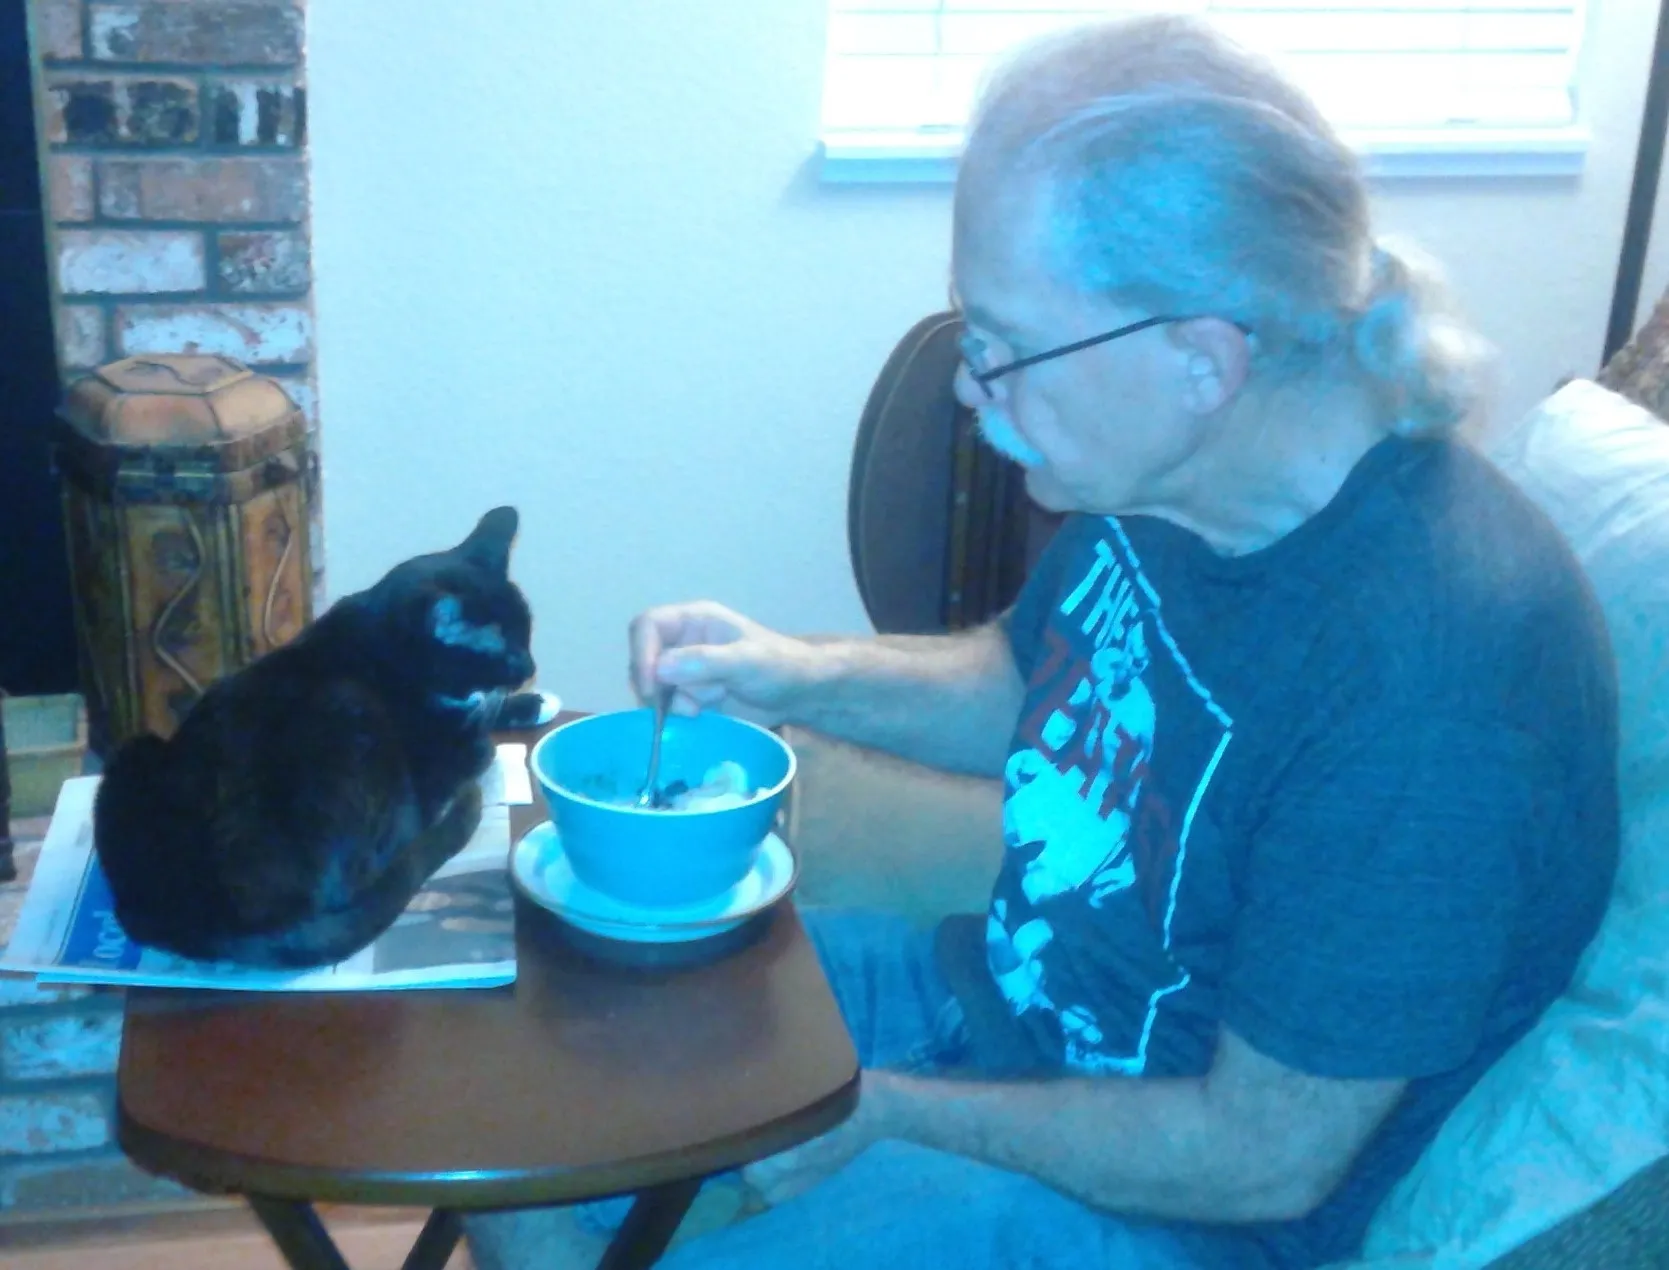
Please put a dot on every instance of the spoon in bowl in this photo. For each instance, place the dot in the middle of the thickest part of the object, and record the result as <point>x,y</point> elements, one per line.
<point>649,796</point>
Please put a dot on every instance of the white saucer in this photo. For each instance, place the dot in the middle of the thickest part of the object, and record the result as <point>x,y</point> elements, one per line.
<point>541,870</point>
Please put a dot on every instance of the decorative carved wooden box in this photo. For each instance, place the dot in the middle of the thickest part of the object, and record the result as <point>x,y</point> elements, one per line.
<point>186,488</point>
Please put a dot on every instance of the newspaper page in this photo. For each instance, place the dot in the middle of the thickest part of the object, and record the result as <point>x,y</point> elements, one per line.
<point>458,930</point>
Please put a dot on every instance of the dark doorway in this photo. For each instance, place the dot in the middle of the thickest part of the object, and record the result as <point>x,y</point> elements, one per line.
<point>37,637</point>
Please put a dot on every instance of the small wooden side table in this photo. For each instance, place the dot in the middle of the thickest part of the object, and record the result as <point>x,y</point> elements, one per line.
<point>580,1080</point>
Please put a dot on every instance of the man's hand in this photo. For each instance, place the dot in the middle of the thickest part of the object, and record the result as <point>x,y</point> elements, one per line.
<point>717,659</point>
<point>1252,1141</point>
<point>789,1173</point>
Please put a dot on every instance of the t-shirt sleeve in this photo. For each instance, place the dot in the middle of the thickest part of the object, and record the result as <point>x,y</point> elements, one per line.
<point>1380,894</point>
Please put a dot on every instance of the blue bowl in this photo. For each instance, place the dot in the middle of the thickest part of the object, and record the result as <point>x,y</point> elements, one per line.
<point>659,859</point>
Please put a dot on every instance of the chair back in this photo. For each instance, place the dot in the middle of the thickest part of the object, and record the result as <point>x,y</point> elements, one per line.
<point>939,526</point>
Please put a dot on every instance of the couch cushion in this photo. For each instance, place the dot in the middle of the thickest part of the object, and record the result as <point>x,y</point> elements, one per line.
<point>1582,1102</point>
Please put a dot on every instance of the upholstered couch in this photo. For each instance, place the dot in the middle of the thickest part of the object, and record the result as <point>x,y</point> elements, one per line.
<point>1558,1157</point>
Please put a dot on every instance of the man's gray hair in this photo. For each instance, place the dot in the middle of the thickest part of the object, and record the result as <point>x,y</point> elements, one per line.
<point>1187,175</point>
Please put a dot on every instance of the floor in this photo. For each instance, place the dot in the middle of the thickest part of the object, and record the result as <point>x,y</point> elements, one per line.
<point>376,1239</point>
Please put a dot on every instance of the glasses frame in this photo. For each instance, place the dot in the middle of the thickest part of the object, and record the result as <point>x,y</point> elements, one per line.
<point>984,378</point>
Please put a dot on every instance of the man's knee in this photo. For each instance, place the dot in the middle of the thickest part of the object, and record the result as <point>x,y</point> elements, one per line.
<point>893,1160</point>
<point>574,1236</point>
<point>532,1239</point>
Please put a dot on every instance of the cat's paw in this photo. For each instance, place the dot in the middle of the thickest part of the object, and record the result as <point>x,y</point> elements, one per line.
<point>532,709</point>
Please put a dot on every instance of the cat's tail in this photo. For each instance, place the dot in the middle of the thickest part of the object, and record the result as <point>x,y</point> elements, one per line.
<point>145,836</point>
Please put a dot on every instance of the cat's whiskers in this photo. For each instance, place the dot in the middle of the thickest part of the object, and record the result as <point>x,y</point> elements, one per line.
<point>470,704</point>
<point>480,707</point>
<point>487,705</point>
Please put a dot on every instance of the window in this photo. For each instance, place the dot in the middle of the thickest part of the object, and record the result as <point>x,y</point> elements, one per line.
<point>1418,86</point>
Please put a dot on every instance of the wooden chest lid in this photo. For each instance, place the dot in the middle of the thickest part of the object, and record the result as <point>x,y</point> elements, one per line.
<point>145,419</point>
<point>181,399</point>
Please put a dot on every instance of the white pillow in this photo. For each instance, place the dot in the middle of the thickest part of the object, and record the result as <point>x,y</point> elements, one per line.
<point>1582,1102</point>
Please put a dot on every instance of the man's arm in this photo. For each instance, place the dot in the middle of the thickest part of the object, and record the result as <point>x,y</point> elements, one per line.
<point>1251,1141</point>
<point>950,701</point>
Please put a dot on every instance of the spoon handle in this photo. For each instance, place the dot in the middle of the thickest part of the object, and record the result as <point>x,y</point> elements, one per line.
<point>663,698</point>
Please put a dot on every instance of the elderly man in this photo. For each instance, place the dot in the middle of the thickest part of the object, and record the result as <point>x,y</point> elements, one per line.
<point>1307,717</point>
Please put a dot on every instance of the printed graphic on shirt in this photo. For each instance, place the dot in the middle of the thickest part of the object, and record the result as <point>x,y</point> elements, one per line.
<point>1115,749</point>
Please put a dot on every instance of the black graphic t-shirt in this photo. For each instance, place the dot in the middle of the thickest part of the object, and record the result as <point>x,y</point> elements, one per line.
<point>1352,796</point>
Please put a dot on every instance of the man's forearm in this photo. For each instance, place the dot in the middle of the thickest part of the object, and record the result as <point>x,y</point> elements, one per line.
<point>950,701</point>
<point>1152,1148</point>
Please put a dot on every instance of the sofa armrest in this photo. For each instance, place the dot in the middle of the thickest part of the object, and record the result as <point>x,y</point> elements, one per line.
<point>1627,1230</point>
<point>874,831</point>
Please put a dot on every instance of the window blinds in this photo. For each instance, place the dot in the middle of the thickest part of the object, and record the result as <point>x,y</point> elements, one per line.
<point>913,67</point>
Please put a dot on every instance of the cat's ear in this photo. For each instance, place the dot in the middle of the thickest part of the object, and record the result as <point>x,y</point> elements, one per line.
<point>490,541</point>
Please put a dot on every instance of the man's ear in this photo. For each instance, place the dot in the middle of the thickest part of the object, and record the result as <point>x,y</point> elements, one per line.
<point>1216,360</point>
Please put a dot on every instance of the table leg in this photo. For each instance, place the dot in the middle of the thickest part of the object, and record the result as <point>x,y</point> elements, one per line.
<point>307,1245</point>
<point>434,1247</point>
<point>649,1226</point>
<point>298,1232</point>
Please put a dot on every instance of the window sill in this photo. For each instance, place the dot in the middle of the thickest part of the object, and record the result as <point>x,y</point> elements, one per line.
<point>913,158</point>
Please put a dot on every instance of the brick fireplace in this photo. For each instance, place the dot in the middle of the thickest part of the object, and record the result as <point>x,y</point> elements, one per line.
<point>175,135</point>
<point>58,1046</point>
<point>173,139</point>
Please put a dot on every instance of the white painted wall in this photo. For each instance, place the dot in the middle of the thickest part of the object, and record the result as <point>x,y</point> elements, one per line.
<point>574,257</point>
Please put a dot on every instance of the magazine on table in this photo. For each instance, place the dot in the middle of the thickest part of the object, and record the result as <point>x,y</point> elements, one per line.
<point>458,931</point>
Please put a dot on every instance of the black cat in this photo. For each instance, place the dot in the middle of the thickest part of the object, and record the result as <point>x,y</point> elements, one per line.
<point>307,797</point>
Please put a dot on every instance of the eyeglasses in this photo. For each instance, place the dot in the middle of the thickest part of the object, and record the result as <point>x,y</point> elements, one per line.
<point>983,378</point>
